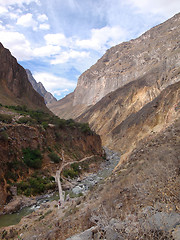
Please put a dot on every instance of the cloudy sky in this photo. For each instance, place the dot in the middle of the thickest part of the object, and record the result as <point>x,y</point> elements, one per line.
<point>57,40</point>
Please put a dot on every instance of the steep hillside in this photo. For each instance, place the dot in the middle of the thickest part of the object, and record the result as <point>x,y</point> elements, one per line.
<point>110,116</point>
<point>48,97</point>
<point>15,87</point>
<point>64,108</point>
<point>156,51</point>
<point>36,142</point>
<point>139,201</point>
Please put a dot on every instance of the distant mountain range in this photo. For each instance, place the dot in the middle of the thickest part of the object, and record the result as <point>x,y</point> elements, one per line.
<point>38,86</point>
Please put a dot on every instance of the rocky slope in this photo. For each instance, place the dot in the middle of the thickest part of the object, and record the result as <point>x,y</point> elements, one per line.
<point>139,201</point>
<point>64,108</point>
<point>15,87</point>
<point>126,62</point>
<point>132,112</point>
<point>28,145</point>
<point>48,97</point>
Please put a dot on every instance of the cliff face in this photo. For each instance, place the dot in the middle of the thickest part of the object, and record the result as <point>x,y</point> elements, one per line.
<point>48,97</point>
<point>130,60</point>
<point>155,55</point>
<point>15,87</point>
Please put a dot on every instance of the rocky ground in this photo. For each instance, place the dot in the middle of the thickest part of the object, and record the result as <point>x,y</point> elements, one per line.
<point>48,212</point>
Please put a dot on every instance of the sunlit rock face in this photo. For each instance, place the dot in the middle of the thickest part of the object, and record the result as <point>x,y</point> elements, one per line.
<point>152,60</point>
<point>128,61</point>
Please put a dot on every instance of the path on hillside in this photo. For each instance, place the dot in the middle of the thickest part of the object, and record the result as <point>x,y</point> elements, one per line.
<point>58,174</point>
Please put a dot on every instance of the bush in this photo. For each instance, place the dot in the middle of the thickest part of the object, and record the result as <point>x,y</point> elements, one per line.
<point>54,157</point>
<point>85,128</point>
<point>26,120</point>
<point>5,118</point>
<point>32,158</point>
<point>11,175</point>
<point>70,173</point>
<point>75,167</point>
<point>35,185</point>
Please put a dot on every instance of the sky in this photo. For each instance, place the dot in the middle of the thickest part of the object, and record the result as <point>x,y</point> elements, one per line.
<point>57,40</point>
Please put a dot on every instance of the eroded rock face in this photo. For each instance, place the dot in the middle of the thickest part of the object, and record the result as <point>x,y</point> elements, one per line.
<point>130,60</point>
<point>153,56</point>
<point>15,87</point>
<point>48,97</point>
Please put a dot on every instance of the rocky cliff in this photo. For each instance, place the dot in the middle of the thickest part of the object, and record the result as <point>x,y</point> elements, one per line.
<point>15,87</point>
<point>130,60</point>
<point>48,97</point>
<point>155,52</point>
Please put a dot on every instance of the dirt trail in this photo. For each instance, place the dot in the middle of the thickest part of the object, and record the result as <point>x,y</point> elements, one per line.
<point>58,174</point>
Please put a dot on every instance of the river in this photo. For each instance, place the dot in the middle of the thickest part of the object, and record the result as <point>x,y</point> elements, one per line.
<point>112,159</point>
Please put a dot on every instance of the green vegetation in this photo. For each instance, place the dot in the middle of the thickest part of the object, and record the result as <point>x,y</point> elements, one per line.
<point>73,172</point>
<point>26,120</point>
<point>32,158</point>
<point>54,157</point>
<point>11,175</point>
<point>5,118</point>
<point>33,117</point>
<point>35,185</point>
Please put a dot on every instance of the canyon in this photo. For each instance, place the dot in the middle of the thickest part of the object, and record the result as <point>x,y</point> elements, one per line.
<point>131,98</point>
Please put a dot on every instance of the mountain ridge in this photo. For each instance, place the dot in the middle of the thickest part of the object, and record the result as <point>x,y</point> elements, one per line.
<point>126,62</point>
<point>38,86</point>
<point>15,86</point>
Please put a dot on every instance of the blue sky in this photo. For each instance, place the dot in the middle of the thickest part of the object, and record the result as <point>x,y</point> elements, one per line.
<point>57,40</point>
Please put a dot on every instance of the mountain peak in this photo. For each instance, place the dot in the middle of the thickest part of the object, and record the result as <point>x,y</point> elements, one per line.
<point>38,86</point>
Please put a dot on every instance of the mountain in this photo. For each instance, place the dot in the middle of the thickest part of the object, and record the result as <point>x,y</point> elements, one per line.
<point>15,87</point>
<point>155,52</point>
<point>33,141</point>
<point>131,97</point>
<point>48,97</point>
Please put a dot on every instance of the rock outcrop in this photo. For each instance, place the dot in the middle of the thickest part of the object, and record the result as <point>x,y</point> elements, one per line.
<point>15,87</point>
<point>156,51</point>
<point>48,97</point>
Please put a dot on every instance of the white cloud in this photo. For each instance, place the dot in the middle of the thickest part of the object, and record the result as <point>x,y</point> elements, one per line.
<point>44,26</point>
<point>57,39</point>
<point>42,18</point>
<point>60,92</point>
<point>46,51</point>
<point>2,27</point>
<point>103,38</point>
<point>3,10</point>
<point>13,15</point>
<point>54,83</point>
<point>69,54</point>
<point>164,7</point>
<point>27,21</point>
<point>17,43</point>
<point>19,2</point>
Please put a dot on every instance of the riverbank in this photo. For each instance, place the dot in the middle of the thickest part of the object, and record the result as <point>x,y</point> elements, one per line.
<point>79,189</point>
